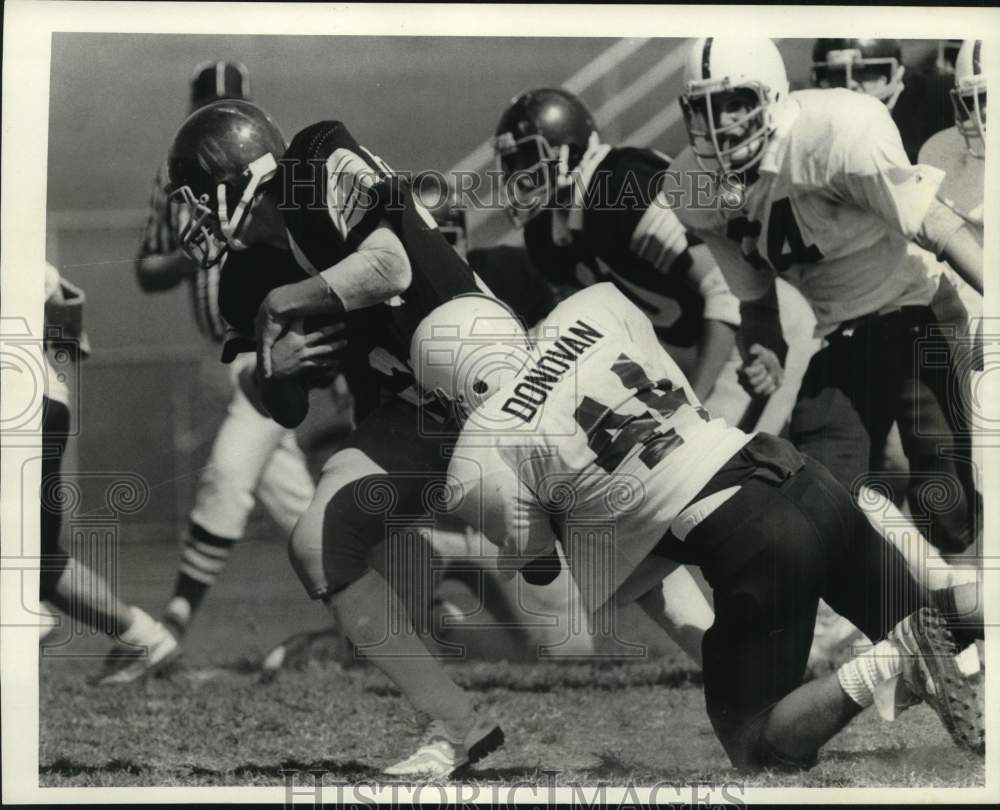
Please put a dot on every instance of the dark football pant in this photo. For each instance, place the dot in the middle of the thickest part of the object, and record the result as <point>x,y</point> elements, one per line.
<point>787,539</point>
<point>911,367</point>
<point>55,429</point>
<point>384,484</point>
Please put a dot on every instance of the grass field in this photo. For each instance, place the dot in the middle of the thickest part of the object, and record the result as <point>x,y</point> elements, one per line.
<point>619,723</point>
<point>213,721</point>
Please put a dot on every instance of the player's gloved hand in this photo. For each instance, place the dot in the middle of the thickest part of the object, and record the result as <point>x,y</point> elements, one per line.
<point>764,375</point>
<point>542,570</point>
<point>297,352</point>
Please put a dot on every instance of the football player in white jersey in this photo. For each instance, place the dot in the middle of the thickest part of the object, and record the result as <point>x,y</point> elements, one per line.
<point>814,187</point>
<point>593,428</point>
<point>960,151</point>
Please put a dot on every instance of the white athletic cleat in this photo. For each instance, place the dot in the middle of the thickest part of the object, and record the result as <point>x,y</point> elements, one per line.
<point>162,647</point>
<point>931,674</point>
<point>442,752</point>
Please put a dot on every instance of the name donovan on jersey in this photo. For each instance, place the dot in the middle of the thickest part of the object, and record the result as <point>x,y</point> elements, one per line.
<point>534,387</point>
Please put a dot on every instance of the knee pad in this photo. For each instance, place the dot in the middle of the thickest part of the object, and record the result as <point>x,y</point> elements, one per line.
<point>330,558</point>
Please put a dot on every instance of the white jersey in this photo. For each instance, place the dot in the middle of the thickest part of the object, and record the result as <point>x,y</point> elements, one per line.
<point>600,436</point>
<point>834,210</point>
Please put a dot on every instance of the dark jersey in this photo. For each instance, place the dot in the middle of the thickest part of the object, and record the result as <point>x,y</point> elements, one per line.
<point>246,277</point>
<point>922,109</point>
<point>511,277</point>
<point>334,193</point>
<point>622,230</point>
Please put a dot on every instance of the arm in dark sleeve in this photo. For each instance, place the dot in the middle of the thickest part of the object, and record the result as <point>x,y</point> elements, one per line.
<point>760,324</point>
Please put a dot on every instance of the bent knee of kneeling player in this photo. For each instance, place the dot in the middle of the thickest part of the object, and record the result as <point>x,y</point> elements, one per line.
<point>329,547</point>
<point>749,749</point>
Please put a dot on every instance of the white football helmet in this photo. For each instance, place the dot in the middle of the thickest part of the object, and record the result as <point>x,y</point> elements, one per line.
<point>739,78</point>
<point>969,96</point>
<point>465,350</point>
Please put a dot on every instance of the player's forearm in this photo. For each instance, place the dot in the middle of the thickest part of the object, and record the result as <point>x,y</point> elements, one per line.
<point>714,349</point>
<point>761,324</point>
<point>376,272</point>
<point>158,272</point>
<point>964,254</point>
<point>949,237</point>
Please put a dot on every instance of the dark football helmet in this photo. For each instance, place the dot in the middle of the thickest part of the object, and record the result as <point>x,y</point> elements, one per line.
<point>221,158</point>
<point>434,193</point>
<point>851,63</point>
<point>542,136</point>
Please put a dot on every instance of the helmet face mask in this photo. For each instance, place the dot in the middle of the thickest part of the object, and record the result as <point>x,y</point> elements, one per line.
<point>199,236</point>
<point>969,97</point>
<point>533,172</point>
<point>225,222</point>
<point>970,117</point>
<point>731,85</point>
<point>222,157</point>
<point>870,66</point>
<point>738,143</point>
<point>543,135</point>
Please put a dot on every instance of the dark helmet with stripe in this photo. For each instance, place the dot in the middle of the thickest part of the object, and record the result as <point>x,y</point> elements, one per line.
<point>854,63</point>
<point>969,96</point>
<point>221,158</point>
<point>741,78</point>
<point>542,136</point>
<point>217,80</point>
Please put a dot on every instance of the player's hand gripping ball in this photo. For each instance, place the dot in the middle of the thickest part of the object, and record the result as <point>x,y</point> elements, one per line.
<point>302,353</point>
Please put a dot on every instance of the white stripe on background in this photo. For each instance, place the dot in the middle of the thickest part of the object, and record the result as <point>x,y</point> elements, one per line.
<point>479,158</point>
<point>655,126</point>
<point>641,87</point>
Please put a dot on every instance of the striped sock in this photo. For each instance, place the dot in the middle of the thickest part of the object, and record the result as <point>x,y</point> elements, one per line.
<point>202,560</point>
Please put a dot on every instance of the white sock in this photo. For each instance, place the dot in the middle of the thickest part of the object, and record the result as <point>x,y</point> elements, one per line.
<point>141,630</point>
<point>179,609</point>
<point>860,676</point>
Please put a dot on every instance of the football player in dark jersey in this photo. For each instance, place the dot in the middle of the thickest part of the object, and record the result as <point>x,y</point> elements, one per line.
<point>251,457</point>
<point>506,269</point>
<point>592,212</point>
<point>917,99</point>
<point>373,264</point>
